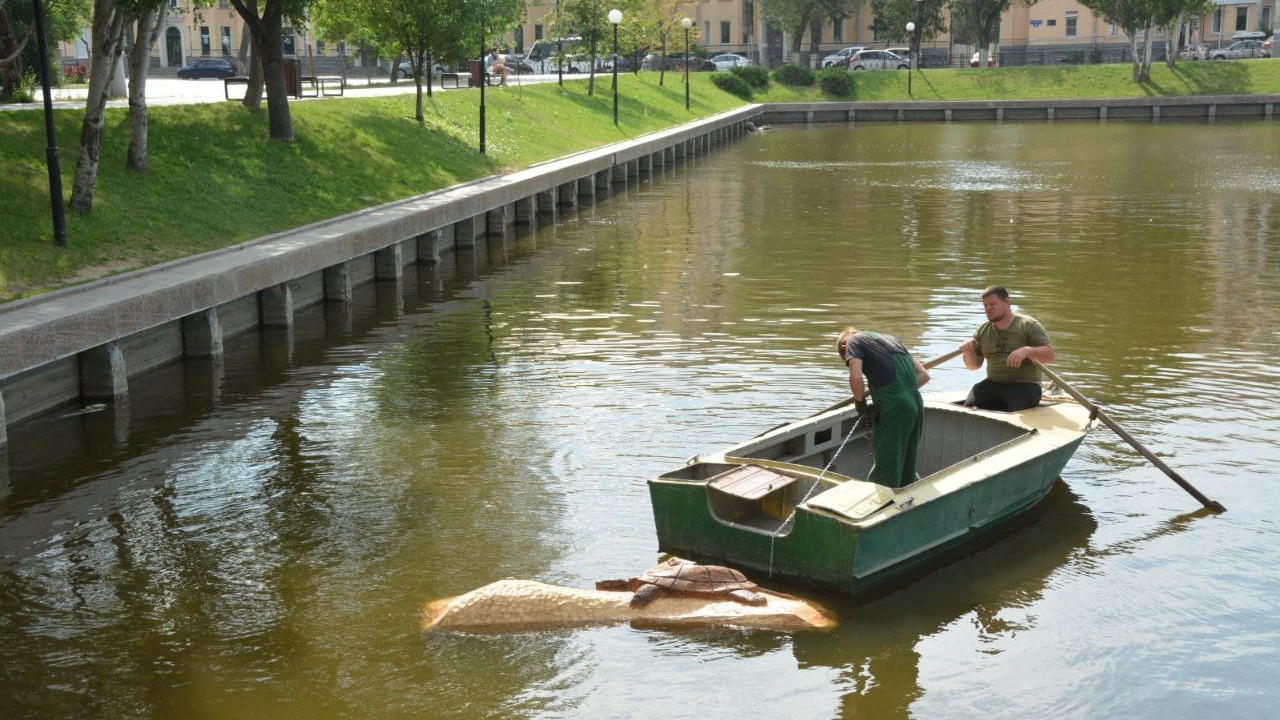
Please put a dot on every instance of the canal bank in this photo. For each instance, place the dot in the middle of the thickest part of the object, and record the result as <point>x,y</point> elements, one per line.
<point>85,344</point>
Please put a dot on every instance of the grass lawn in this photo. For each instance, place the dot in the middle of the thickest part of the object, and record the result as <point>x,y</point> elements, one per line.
<point>215,179</point>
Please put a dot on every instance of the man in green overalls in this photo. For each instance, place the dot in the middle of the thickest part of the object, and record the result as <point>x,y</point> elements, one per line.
<point>897,418</point>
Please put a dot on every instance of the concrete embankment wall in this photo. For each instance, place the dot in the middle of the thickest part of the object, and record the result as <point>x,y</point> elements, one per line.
<point>87,343</point>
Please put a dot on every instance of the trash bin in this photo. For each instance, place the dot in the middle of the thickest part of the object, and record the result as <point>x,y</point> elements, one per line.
<point>293,78</point>
<point>476,68</point>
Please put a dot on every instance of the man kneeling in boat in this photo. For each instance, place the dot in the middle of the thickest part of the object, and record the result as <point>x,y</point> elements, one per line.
<point>897,422</point>
<point>1007,342</point>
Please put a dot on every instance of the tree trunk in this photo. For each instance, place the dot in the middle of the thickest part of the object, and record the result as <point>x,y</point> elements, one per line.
<point>11,66</point>
<point>418,112</point>
<point>246,40</point>
<point>279,120</point>
<point>253,91</point>
<point>108,29</point>
<point>1137,61</point>
<point>1146,54</point>
<point>1171,41</point>
<point>265,30</point>
<point>144,38</point>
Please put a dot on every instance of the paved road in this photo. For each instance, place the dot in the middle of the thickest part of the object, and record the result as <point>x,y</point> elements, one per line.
<point>167,90</point>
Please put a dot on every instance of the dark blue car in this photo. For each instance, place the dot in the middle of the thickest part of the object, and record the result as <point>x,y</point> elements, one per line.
<point>208,68</point>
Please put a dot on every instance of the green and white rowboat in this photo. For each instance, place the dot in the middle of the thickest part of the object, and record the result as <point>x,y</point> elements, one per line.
<point>778,506</point>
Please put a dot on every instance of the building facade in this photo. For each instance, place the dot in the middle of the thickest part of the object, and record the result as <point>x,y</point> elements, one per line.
<point>1051,31</point>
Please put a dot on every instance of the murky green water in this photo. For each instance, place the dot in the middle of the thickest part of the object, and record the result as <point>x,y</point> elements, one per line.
<point>257,539</point>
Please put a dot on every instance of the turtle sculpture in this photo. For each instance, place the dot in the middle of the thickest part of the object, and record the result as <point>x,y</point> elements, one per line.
<point>682,577</point>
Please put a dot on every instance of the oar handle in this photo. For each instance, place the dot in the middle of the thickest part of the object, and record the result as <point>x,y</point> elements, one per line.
<point>1213,505</point>
<point>931,364</point>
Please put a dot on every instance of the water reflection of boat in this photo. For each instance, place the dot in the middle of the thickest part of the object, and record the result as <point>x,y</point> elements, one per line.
<point>875,641</point>
<point>790,504</point>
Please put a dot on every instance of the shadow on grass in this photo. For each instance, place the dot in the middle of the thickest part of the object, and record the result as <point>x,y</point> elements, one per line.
<point>1201,78</point>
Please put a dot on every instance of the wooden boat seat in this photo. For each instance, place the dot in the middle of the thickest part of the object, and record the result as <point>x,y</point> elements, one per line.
<point>751,482</point>
<point>752,491</point>
<point>853,499</point>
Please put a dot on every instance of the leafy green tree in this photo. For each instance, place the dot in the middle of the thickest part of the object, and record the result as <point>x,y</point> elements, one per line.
<point>588,19</point>
<point>982,19</point>
<point>19,53</point>
<point>265,21</point>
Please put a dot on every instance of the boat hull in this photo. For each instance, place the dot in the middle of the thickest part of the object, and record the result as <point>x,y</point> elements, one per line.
<point>855,546</point>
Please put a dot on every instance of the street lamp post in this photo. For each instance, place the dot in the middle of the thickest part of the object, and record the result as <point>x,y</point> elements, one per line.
<point>911,28</point>
<point>559,47</point>
<point>615,17</point>
<point>51,147</point>
<point>686,23</point>
<point>919,29</point>
<point>480,73</point>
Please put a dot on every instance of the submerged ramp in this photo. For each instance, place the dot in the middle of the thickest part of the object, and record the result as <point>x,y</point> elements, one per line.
<point>514,605</point>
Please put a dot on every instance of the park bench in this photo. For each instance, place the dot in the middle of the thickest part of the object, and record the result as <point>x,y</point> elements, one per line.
<point>233,80</point>
<point>322,84</point>
<point>457,80</point>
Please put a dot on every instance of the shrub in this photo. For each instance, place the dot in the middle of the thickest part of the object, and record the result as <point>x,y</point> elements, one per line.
<point>77,73</point>
<point>792,74</point>
<point>754,75</point>
<point>836,81</point>
<point>732,84</point>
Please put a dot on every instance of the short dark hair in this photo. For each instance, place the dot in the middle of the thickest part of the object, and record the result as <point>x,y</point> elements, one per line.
<point>997,290</point>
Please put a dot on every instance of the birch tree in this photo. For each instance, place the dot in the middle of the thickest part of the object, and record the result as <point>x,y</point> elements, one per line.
<point>145,33</point>
<point>107,32</point>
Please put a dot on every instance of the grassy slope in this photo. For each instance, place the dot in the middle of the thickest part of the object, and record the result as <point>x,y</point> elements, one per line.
<point>216,180</point>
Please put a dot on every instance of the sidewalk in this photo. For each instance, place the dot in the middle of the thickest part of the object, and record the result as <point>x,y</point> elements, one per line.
<point>165,89</point>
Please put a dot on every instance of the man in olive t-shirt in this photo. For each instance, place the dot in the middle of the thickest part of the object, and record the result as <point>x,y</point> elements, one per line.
<point>1007,342</point>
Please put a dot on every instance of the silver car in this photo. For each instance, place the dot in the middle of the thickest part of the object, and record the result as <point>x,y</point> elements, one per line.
<point>1238,50</point>
<point>841,57</point>
<point>878,60</point>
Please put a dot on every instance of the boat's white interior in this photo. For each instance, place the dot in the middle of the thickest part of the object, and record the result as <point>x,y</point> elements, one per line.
<point>955,439</point>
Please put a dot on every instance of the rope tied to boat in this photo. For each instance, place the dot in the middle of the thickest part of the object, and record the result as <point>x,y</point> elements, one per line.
<point>773,536</point>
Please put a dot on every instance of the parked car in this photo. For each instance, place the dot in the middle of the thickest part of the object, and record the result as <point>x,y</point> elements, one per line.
<point>840,58</point>
<point>405,69</point>
<point>1198,52</point>
<point>208,68</point>
<point>728,61</point>
<point>878,60</point>
<point>1238,50</point>
<point>977,59</point>
<point>675,61</point>
<point>1268,46</point>
<point>518,64</point>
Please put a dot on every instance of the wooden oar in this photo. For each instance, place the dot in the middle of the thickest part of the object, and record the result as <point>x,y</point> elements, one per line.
<point>929,365</point>
<point>1213,505</point>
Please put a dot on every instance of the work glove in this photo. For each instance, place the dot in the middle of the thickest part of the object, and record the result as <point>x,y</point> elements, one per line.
<point>865,410</point>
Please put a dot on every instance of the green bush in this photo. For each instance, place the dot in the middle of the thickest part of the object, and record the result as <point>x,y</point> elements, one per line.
<point>836,82</point>
<point>792,74</point>
<point>754,75</point>
<point>732,84</point>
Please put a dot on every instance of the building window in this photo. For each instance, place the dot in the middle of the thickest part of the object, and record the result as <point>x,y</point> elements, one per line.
<point>725,37</point>
<point>319,47</point>
<point>1242,17</point>
<point>204,41</point>
<point>706,27</point>
<point>287,42</point>
<point>1071,24</point>
<point>1113,29</point>
<point>1051,22</point>
<point>1217,22</point>
<point>837,31</point>
<point>226,40</point>
<point>1264,17</point>
<point>539,31</point>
